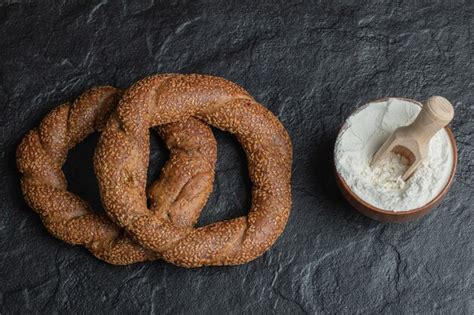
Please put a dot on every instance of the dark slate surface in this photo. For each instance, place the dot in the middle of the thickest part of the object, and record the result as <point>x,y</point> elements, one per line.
<point>311,65</point>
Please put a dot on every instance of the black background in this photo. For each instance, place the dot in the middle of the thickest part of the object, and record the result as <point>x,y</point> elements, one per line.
<point>311,64</point>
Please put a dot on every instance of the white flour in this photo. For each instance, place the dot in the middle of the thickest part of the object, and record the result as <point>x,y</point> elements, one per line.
<point>382,186</point>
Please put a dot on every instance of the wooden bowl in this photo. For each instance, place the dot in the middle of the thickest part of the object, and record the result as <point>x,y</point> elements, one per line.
<point>395,216</point>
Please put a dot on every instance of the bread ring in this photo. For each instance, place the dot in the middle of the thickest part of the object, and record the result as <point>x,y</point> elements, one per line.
<point>43,151</point>
<point>121,160</point>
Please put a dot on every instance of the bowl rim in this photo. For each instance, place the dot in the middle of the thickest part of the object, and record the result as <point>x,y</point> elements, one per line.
<point>400,213</point>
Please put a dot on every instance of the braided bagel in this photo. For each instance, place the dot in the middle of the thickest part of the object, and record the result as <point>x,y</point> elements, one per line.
<point>175,196</point>
<point>121,161</point>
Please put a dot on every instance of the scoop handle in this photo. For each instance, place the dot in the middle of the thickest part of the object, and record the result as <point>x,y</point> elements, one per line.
<point>434,115</point>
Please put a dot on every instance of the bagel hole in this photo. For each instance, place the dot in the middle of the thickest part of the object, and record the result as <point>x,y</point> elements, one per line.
<point>79,171</point>
<point>158,157</point>
<point>231,196</point>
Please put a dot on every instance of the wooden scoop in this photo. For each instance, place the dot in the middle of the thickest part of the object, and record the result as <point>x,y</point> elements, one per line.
<point>412,141</point>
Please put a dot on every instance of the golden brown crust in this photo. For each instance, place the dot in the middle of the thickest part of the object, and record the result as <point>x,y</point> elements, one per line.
<point>120,159</point>
<point>43,151</point>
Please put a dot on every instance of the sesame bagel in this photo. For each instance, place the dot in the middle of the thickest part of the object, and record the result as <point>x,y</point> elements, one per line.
<point>176,195</point>
<point>121,161</point>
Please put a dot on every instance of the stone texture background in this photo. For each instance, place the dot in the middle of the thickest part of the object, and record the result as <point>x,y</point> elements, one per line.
<point>310,63</point>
